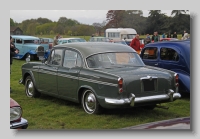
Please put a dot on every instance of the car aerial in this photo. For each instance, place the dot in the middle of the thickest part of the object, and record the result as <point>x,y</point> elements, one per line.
<point>28,46</point>
<point>169,39</point>
<point>16,119</point>
<point>99,39</point>
<point>99,75</point>
<point>47,41</point>
<point>182,123</point>
<point>171,55</point>
<point>70,40</point>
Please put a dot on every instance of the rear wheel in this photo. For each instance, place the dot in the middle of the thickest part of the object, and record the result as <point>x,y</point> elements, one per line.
<point>90,103</point>
<point>30,89</point>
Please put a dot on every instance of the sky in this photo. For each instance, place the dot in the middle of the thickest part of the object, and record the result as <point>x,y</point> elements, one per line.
<point>83,16</point>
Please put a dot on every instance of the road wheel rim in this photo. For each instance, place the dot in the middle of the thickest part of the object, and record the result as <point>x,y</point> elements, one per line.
<point>30,88</point>
<point>90,102</point>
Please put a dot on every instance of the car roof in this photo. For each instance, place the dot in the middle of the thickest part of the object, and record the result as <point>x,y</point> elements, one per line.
<point>24,37</point>
<point>90,48</point>
<point>99,37</point>
<point>179,43</point>
<point>68,38</point>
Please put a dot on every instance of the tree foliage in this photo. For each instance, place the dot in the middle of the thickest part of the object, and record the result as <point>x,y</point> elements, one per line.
<point>156,21</point>
<point>12,24</point>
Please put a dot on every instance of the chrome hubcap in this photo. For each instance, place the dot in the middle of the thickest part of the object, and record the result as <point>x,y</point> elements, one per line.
<point>30,88</point>
<point>90,102</point>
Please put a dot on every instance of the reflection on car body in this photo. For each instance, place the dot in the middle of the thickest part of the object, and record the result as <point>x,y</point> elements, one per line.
<point>99,75</point>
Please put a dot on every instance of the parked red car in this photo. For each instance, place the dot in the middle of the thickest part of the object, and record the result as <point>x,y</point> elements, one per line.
<point>169,39</point>
<point>16,120</point>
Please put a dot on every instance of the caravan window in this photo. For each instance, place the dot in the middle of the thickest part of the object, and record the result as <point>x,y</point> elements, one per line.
<point>113,34</point>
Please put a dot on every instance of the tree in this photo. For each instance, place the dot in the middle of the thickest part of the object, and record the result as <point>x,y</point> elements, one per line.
<point>114,17</point>
<point>43,20</point>
<point>178,12</point>
<point>12,24</point>
<point>99,27</point>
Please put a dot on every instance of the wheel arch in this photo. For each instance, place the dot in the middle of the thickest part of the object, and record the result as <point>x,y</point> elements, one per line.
<point>31,75</point>
<point>81,90</point>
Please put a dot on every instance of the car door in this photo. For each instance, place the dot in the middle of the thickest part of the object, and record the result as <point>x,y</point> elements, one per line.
<point>170,57</point>
<point>48,73</point>
<point>68,74</point>
<point>149,56</point>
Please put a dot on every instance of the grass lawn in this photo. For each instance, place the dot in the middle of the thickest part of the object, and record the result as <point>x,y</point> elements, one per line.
<point>51,113</point>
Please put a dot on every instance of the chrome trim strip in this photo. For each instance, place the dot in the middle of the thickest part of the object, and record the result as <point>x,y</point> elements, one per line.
<point>68,76</point>
<point>99,82</point>
<point>80,78</point>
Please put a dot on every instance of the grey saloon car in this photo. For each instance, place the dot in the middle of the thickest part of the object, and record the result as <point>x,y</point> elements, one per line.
<point>99,75</point>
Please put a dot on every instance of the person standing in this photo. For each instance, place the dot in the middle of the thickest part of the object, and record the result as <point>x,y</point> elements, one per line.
<point>13,52</point>
<point>55,42</point>
<point>163,36</point>
<point>135,43</point>
<point>147,39</point>
<point>156,37</point>
<point>168,35</point>
<point>185,37</point>
<point>153,36</point>
<point>183,33</point>
<point>174,35</point>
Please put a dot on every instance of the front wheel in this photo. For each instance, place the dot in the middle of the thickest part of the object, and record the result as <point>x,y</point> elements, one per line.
<point>29,56</point>
<point>90,103</point>
<point>30,89</point>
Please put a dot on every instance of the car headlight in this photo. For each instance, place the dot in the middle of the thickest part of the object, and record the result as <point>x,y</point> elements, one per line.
<point>15,113</point>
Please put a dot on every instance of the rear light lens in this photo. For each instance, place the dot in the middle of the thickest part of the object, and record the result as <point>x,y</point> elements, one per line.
<point>176,80</point>
<point>120,85</point>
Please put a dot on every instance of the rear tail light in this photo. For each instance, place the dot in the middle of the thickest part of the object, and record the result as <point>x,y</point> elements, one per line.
<point>176,80</point>
<point>120,85</point>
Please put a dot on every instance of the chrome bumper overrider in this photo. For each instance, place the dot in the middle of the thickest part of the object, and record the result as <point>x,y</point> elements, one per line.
<point>171,96</point>
<point>22,124</point>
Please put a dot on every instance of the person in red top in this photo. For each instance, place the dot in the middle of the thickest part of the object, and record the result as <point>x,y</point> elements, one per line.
<point>135,43</point>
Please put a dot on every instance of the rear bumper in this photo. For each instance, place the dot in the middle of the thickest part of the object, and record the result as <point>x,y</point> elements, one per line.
<point>132,100</point>
<point>23,124</point>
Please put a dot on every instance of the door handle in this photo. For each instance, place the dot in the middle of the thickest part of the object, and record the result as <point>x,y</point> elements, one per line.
<point>156,64</point>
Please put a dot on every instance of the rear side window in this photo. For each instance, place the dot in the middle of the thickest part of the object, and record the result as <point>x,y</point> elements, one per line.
<point>71,59</point>
<point>150,53</point>
<point>168,54</point>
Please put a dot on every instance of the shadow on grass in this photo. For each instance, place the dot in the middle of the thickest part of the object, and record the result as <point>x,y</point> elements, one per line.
<point>119,112</point>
